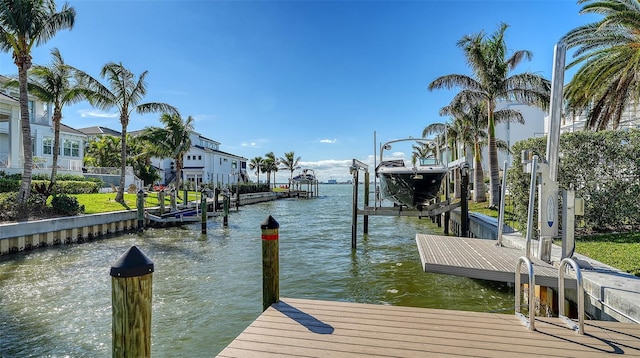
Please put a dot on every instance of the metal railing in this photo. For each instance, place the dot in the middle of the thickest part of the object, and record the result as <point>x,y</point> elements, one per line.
<point>530,321</point>
<point>579,292</point>
<point>4,160</point>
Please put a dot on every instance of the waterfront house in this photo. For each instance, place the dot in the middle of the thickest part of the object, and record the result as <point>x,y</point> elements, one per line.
<point>203,163</point>
<point>72,142</point>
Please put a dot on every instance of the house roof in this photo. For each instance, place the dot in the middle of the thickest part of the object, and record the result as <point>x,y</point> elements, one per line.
<point>220,152</point>
<point>11,98</point>
<point>98,130</point>
<point>65,128</point>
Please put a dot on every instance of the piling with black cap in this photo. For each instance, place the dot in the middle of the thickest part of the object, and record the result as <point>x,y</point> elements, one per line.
<point>270,263</point>
<point>131,281</point>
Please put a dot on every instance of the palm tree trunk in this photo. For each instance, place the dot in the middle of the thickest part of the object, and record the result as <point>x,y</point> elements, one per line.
<point>479,194</point>
<point>24,63</point>
<point>57,117</point>
<point>494,174</point>
<point>123,161</point>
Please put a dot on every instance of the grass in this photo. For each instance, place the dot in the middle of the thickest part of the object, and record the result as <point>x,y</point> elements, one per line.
<point>105,202</point>
<point>620,250</point>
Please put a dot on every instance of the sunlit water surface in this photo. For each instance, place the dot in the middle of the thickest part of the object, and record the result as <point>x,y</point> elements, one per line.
<point>56,302</point>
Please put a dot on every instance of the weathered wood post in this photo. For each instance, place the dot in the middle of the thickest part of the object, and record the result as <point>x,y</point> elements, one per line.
<point>365,224</point>
<point>161,201</point>
<point>270,263</point>
<point>237,196</point>
<point>203,210</point>
<point>131,282</point>
<point>216,193</point>
<point>226,202</point>
<point>464,207</point>
<point>140,207</point>
<point>174,204</point>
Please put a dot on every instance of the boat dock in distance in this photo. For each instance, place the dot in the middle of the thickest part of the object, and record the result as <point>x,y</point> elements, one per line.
<point>310,328</point>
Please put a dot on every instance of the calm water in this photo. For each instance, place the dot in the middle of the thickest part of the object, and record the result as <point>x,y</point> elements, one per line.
<point>56,302</point>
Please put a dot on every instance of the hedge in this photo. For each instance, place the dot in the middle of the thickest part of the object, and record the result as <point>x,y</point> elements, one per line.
<point>602,167</point>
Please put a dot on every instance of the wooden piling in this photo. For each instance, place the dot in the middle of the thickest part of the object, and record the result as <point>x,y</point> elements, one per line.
<point>203,211</point>
<point>140,206</point>
<point>161,201</point>
<point>131,283</point>
<point>365,218</point>
<point>226,202</point>
<point>270,263</point>
<point>173,200</point>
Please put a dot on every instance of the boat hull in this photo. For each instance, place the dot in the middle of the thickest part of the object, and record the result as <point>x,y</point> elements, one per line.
<point>410,189</point>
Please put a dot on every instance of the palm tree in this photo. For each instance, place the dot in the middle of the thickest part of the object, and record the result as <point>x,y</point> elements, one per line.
<point>422,150</point>
<point>24,24</point>
<point>607,83</point>
<point>54,84</point>
<point>256,163</point>
<point>290,162</point>
<point>270,165</point>
<point>487,57</point>
<point>171,141</point>
<point>124,93</point>
<point>103,152</point>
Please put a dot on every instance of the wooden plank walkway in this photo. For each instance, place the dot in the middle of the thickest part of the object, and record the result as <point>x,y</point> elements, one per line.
<point>308,328</point>
<point>481,259</point>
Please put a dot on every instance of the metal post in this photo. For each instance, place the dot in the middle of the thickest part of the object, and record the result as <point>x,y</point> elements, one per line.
<point>464,207</point>
<point>131,286</point>
<point>270,263</point>
<point>532,197</point>
<point>354,217</point>
<point>502,199</point>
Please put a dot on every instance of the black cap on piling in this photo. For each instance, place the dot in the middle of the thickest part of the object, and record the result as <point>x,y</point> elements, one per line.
<point>131,264</point>
<point>269,223</point>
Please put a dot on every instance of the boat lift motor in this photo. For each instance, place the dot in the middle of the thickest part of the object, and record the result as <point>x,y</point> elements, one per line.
<point>547,204</point>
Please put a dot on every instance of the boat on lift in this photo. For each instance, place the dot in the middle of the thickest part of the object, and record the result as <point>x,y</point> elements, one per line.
<point>413,185</point>
<point>307,176</point>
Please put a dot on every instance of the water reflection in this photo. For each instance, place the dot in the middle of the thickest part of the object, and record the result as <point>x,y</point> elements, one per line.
<point>207,288</point>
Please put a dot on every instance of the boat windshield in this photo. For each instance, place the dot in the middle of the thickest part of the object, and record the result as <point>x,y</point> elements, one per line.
<point>429,161</point>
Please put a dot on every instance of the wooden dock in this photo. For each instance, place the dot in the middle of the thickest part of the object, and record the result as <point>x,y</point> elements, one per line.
<point>481,259</point>
<point>308,328</point>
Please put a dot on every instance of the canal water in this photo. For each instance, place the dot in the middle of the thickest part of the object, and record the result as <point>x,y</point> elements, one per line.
<point>56,302</point>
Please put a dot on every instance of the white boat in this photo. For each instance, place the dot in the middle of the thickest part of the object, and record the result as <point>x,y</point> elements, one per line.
<point>307,176</point>
<point>413,185</point>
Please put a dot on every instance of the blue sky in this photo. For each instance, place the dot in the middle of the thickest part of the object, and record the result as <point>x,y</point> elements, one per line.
<point>313,77</point>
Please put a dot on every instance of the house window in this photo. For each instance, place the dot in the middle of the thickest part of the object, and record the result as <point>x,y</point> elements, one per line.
<point>199,157</point>
<point>47,146</point>
<point>33,146</point>
<point>71,148</point>
<point>32,112</point>
<point>234,165</point>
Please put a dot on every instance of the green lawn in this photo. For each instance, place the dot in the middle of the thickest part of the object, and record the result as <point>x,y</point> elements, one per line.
<point>620,250</point>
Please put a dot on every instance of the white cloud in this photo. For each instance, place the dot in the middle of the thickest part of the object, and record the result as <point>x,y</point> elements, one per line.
<point>249,144</point>
<point>92,113</point>
<point>330,141</point>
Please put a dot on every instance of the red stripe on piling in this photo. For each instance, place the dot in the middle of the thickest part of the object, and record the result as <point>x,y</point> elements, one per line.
<point>271,234</point>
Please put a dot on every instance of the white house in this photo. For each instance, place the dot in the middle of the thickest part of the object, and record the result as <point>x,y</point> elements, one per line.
<point>11,148</point>
<point>205,163</point>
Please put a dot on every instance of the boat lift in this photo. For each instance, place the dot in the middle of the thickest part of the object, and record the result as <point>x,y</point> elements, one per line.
<point>433,210</point>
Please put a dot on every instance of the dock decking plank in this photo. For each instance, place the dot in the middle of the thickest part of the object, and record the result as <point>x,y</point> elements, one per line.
<point>481,259</point>
<point>308,328</point>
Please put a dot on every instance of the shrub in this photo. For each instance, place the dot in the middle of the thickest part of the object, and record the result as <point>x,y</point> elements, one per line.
<point>66,205</point>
